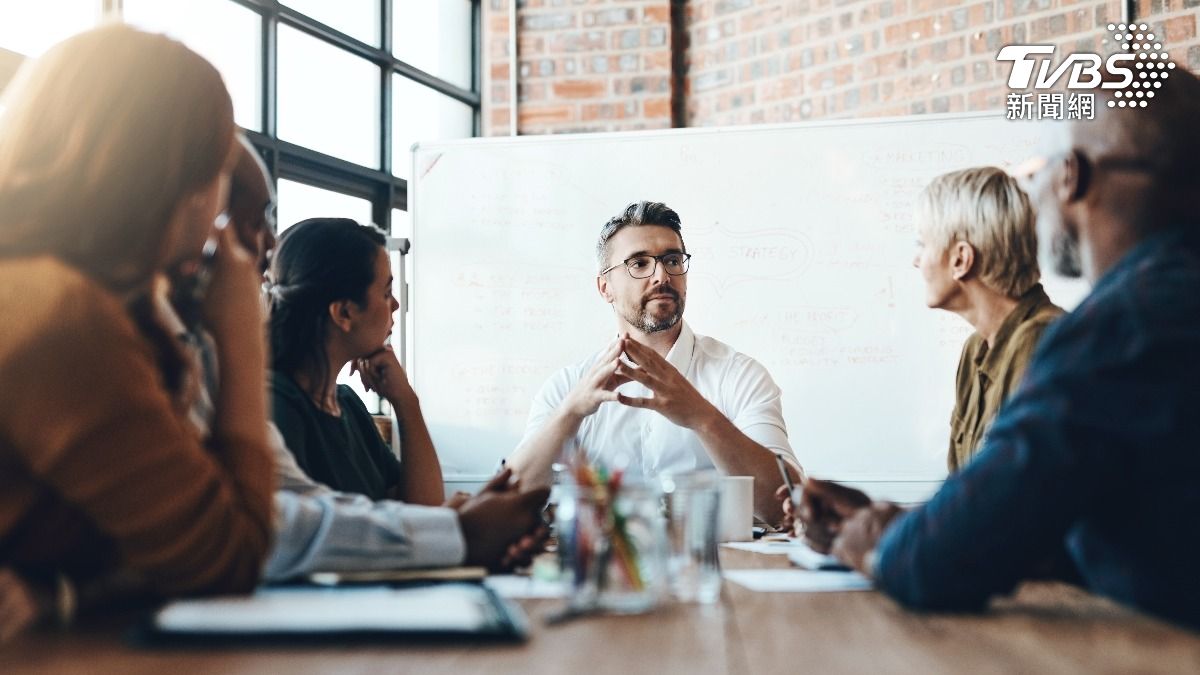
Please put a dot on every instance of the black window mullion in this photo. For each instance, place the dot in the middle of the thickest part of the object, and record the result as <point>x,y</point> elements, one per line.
<point>385,91</point>
<point>477,63</point>
<point>381,207</point>
<point>382,204</point>
<point>294,162</point>
<point>270,76</point>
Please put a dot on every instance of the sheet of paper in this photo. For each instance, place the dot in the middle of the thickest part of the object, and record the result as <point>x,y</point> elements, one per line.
<point>798,581</point>
<point>518,587</point>
<point>444,607</point>
<point>803,556</point>
<point>768,546</point>
<point>795,549</point>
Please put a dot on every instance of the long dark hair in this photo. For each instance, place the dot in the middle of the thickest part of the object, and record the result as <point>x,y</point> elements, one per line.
<point>319,261</point>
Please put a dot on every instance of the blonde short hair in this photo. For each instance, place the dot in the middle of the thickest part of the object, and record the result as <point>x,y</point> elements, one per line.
<point>985,208</point>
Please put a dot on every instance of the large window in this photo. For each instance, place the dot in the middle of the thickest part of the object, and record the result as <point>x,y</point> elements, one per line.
<point>225,33</point>
<point>332,93</point>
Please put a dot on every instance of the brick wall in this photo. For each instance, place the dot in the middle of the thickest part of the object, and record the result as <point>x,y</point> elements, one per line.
<point>754,61</point>
<point>763,61</point>
<point>583,65</point>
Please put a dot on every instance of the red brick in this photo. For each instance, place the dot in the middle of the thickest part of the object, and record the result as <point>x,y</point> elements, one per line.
<point>656,107</point>
<point>1179,29</point>
<point>530,44</point>
<point>653,61</point>
<point>531,91</point>
<point>533,115</point>
<point>499,117</point>
<point>660,14</point>
<point>579,88</point>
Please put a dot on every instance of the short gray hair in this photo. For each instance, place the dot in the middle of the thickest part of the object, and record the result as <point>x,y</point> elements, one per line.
<point>984,207</point>
<point>636,215</point>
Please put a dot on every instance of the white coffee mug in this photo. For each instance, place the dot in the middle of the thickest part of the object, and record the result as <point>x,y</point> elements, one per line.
<point>736,521</point>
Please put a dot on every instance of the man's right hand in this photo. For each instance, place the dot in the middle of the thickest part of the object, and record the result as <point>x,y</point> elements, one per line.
<point>501,524</point>
<point>824,507</point>
<point>598,385</point>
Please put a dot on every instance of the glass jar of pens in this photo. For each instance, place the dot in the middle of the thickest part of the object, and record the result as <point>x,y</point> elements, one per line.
<point>611,541</point>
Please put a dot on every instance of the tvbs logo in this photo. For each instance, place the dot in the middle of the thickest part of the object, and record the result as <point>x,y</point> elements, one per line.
<point>1137,70</point>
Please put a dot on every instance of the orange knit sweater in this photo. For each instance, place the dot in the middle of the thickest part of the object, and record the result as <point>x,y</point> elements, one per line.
<point>97,468</point>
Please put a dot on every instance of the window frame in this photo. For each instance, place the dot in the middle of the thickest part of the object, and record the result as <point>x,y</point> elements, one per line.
<point>295,162</point>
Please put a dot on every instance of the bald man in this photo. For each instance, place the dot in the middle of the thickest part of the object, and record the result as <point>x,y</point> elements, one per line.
<point>252,204</point>
<point>1096,457</point>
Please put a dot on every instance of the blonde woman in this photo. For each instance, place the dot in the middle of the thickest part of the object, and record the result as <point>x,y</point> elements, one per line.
<point>116,149</point>
<point>977,252</point>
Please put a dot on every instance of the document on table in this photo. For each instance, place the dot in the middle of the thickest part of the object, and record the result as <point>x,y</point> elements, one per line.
<point>768,546</point>
<point>798,581</point>
<point>447,608</point>
<point>512,586</point>
<point>795,549</point>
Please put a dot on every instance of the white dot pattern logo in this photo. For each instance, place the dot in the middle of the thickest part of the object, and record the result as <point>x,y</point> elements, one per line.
<point>1150,68</point>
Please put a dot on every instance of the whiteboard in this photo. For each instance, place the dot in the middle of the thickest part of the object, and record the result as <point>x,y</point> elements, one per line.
<point>803,240</point>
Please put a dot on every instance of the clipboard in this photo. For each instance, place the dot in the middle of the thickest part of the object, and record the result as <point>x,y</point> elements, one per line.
<point>303,614</point>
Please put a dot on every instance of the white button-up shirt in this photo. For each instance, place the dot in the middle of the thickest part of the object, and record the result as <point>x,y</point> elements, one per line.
<point>647,443</point>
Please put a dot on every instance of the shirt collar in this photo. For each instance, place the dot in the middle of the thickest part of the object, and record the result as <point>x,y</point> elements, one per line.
<point>1030,304</point>
<point>681,352</point>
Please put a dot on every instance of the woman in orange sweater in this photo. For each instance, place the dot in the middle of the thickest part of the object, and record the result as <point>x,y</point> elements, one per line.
<point>116,148</point>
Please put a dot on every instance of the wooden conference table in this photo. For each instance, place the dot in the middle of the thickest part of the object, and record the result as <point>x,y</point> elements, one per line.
<point>1046,628</point>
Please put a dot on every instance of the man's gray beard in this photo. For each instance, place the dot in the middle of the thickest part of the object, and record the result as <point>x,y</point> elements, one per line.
<point>1057,251</point>
<point>1065,252</point>
<point>648,324</point>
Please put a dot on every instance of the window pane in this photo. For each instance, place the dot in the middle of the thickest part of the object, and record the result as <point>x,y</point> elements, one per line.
<point>401,224</point>
<point>328,99</point>
<point>356,18</point>
<point>422,114</point>
<point>300,201</point>
<point>227,34</point>
<point>30,28</point>
<point>435,36</point>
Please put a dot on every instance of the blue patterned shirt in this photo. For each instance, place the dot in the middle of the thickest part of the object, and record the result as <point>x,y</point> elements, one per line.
<point>1097,453</point>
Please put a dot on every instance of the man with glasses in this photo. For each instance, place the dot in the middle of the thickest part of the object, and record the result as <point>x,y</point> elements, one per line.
<point>658,398</point>
<point>1096,454</point>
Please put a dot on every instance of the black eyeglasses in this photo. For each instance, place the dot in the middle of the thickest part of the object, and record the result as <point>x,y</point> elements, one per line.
<point>642,266</point>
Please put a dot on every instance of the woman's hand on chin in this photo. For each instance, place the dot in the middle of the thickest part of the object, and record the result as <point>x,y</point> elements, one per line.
<point>382,373</point>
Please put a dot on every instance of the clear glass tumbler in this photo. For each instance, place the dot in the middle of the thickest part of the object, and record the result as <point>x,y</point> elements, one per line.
<point>692,505</point>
